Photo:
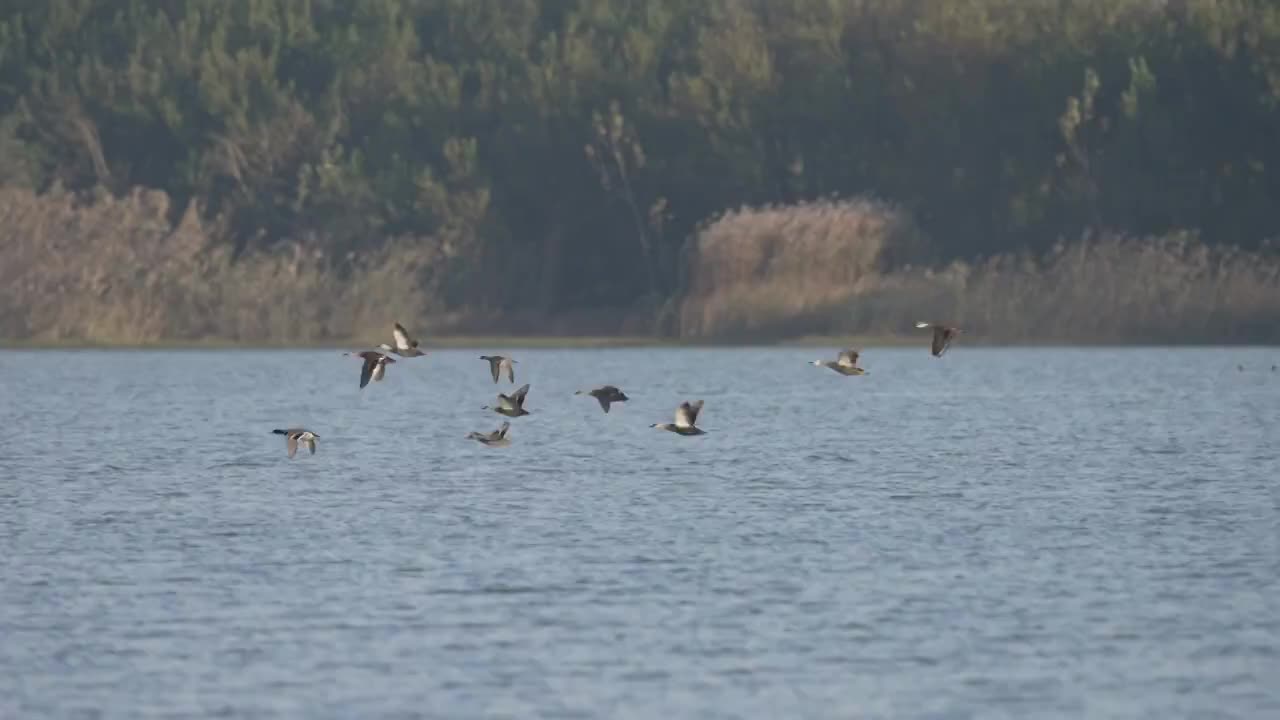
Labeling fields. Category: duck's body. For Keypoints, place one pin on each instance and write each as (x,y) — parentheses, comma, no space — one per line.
(605,395)
(293,436)
(511,405)
(405,346)
(942,337)
(686,417)
(374,367)
(497,364)
(497,438)
(846,363)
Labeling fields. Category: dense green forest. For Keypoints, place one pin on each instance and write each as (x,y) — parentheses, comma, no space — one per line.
(559,155)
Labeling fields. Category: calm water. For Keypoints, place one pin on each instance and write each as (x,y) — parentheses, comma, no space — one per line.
(1000,533)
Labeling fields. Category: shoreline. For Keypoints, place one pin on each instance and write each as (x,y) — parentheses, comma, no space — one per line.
(464,342)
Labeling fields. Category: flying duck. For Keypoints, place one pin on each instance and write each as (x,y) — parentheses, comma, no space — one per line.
(686,416)
(405,346)
(846,363)
(497,364)
(511,405)
(497,438)
(295,435)
(942,337)
(604,395)
(375,366)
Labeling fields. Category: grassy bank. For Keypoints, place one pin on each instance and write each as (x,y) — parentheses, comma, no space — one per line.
(854,268)
(115,272)
(477,342)
(512,343)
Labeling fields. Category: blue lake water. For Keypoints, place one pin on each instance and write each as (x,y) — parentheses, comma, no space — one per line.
(999,533)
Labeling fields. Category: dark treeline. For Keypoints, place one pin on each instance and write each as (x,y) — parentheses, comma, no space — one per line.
(559,153)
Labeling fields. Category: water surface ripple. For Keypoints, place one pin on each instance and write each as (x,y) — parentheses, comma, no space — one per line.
(1000,533)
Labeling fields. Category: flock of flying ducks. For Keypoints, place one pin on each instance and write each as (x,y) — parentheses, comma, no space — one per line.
(375,362)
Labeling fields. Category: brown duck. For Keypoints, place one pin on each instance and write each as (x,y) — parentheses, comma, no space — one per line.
(375,366)
(942,337)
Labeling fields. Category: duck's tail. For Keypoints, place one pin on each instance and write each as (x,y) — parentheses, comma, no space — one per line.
(278,431)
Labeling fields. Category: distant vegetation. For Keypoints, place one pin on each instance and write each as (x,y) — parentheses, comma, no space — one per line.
(258,170)
(829,269)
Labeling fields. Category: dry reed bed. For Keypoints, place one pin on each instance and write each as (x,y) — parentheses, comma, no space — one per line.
(844,267)
(115,270)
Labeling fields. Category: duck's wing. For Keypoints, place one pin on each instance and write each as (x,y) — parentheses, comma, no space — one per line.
(380,369)
(510,368)
(505,402)
(518,396)
(848,358)
(940,341)
(494,362)
(311,445)
(366,370)
(403,341)
(687,414)
(604,401)
(293,445)
(502,431)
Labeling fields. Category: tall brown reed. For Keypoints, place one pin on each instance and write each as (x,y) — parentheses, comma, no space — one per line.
(839,278)
(783,269)
(115,270)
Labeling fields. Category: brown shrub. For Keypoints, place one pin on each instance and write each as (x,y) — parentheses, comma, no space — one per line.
(115,270)
(783,269)
(1104,288)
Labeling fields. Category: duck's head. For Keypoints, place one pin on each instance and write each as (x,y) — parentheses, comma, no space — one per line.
(623,396)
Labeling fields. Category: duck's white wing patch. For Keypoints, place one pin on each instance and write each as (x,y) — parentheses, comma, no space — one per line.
(403,342)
